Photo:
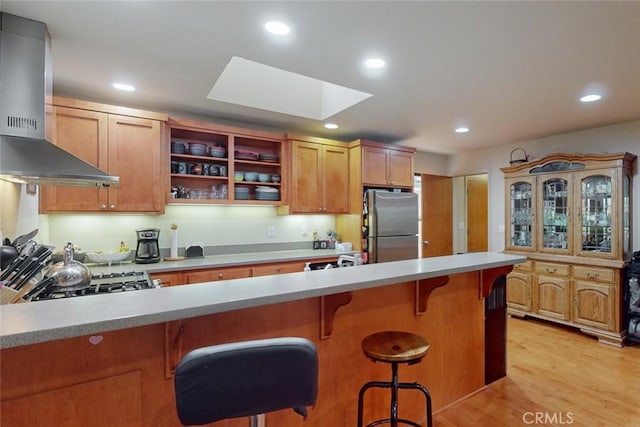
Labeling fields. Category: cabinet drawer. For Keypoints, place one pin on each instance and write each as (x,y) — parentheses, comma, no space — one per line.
(526,266)
(213,275)
(268,270)
(551,269)
(591,273)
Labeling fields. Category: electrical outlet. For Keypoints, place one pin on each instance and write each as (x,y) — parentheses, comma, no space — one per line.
(500,228)
(304,230)
(271,231)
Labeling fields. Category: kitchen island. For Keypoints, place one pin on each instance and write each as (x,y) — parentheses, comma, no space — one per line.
(110,357)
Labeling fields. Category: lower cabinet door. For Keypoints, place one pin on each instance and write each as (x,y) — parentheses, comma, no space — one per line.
(519,291)
(594,304)
(553,297)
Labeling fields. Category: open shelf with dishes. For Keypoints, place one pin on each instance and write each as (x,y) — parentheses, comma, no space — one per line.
(212,164)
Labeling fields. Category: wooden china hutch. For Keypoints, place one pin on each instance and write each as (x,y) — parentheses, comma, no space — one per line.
(571,215)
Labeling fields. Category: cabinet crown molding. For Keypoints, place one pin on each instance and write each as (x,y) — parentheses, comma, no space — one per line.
(595,160)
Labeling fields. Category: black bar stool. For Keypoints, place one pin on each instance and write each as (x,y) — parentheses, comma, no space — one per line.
(246,379)
(394,347)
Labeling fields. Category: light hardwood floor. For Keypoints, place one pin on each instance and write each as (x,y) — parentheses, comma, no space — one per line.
(560,376)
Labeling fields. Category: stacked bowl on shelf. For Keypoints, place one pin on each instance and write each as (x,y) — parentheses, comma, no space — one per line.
(217,151)
(241,192)
(267,193)
(197,149)
(178,147)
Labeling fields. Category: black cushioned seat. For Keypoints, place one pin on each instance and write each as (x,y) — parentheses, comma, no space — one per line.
(246,379)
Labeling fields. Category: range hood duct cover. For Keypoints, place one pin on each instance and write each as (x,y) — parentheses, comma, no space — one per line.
(25,85)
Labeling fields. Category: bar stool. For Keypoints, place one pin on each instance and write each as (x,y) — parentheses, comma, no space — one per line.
(394,347)
(246,379)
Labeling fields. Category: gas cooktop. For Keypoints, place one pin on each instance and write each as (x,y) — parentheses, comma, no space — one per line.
(104,283)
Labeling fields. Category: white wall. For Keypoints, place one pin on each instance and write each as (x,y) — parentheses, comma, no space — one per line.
(211,225)
(431,164)
(609,139)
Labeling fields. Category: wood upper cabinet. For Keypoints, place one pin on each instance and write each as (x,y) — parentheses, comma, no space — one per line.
(135,156)
(120,144)
(84,134)
(319,176)
(387,167)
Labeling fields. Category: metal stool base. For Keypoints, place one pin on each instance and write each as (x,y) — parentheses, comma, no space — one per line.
(394,385)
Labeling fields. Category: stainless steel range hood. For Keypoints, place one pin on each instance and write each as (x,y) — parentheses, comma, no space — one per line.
(25,85)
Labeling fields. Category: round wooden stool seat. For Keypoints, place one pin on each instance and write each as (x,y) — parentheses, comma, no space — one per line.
(395,346)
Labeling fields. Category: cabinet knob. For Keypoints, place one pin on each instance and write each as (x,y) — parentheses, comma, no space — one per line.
(220,275)
(112,206)
(425,242)
(103,206)
(552,270)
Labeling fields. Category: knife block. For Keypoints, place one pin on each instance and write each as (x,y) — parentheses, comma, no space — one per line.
(11,296)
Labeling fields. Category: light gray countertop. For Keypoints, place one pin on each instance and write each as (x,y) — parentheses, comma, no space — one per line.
(229,260)
(30,323)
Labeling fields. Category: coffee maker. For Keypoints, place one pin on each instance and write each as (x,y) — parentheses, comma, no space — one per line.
(147,250)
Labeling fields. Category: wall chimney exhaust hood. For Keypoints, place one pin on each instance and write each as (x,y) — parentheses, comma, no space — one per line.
(25,85)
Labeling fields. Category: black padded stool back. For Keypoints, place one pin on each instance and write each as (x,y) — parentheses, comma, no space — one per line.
(245,379)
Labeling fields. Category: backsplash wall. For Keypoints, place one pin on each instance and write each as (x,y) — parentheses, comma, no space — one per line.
(211,225)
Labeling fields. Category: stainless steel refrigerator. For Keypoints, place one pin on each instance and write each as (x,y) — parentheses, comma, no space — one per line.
(392,225)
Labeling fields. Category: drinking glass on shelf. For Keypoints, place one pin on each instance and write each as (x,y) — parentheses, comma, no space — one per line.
(214,192)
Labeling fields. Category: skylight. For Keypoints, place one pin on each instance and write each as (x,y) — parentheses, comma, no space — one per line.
(252,84)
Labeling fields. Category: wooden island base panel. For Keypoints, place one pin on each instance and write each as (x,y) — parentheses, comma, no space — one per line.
(123,377)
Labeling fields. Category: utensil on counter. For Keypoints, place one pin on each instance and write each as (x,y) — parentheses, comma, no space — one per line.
(69,275)
(38,288)
(8,254)
(11,250)
(38,263)
(27,268)
(21,240)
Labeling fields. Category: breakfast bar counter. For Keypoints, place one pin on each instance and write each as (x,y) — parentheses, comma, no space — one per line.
(111,357)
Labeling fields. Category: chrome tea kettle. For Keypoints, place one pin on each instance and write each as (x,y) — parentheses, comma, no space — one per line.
(69,274)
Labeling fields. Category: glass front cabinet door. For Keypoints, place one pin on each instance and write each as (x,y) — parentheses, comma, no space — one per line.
(597,230)
(521,213)
(555,192)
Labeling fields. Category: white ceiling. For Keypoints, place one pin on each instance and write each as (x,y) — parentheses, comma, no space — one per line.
(510,71)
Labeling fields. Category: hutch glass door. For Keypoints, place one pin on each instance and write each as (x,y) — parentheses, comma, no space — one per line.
(521,212)
(555,193)
(596,215)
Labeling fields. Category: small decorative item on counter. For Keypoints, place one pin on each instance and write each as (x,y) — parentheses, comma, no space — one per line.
(173,251)
(195,250)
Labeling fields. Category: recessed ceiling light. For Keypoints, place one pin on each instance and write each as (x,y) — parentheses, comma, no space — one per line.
(124,86)
(278,28)
(462,129)
(331,126)
(375,63)
(590,98)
